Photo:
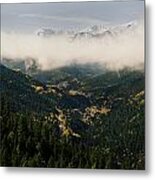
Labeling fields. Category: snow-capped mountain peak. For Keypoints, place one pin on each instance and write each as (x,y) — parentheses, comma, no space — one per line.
(94,31)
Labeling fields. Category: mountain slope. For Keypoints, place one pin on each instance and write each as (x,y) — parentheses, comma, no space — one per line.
(82,121)
(19,89)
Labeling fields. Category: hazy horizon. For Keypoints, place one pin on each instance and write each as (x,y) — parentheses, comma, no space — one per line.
(122,48)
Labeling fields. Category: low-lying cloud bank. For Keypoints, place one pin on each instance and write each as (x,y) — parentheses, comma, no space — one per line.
(126,49)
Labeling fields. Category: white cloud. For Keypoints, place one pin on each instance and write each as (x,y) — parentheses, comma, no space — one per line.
(126,49)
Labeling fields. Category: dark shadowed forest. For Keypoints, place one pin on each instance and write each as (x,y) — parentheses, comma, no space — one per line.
(76,116)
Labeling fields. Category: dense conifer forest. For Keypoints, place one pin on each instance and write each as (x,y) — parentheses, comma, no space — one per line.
(72,117)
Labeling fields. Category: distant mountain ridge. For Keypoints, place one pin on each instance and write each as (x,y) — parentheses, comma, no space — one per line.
(95,31)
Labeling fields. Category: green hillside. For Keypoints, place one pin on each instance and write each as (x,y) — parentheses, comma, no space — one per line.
(73,117)
(20,91)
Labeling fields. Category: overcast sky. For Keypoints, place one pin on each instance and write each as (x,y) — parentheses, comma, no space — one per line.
(29,17)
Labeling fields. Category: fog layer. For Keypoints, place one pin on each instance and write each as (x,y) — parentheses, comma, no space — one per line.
(124,49)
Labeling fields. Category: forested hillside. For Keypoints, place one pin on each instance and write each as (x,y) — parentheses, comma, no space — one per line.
(73,117)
